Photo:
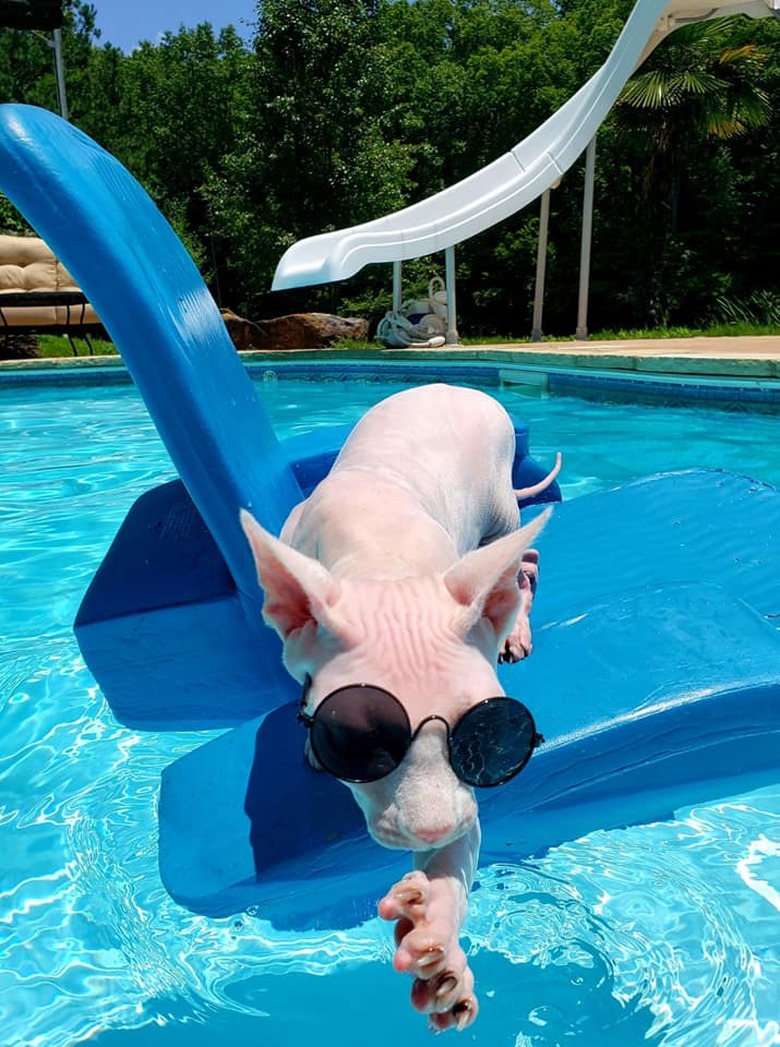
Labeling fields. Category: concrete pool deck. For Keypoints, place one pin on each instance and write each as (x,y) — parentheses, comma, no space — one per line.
(743,357)
(728,357)
(752,357)
(732,357)
(749,357)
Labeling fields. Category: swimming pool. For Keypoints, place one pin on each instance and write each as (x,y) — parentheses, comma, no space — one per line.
(664,933)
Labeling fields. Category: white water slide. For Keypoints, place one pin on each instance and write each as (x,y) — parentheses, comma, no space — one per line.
(514,180)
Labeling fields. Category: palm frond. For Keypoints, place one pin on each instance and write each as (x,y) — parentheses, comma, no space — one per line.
(650,90)
(698,82)
(749,57)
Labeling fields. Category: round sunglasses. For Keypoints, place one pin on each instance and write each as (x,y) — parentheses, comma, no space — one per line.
(361,733)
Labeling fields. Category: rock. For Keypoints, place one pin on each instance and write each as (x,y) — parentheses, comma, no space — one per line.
(309,331)
(243,333)
(295,331)
(18,346)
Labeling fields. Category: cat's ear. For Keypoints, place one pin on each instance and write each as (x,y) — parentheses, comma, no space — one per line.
(298,589)
(484,581)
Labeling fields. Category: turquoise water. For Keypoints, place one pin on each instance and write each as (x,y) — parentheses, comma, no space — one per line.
(665,934)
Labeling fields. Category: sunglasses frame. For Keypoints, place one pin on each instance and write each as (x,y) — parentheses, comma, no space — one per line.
(308,721)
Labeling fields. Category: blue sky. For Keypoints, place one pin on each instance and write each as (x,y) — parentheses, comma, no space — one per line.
(125,24)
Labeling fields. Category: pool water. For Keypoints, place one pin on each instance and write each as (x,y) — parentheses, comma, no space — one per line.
(666,933)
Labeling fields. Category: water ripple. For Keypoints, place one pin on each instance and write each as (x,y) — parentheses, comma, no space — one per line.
(641,912)
(662,934)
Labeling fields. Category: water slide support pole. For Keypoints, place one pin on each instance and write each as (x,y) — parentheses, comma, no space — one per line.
(396,287)
(541,267)
(60,68)
(587,233)
(453,338)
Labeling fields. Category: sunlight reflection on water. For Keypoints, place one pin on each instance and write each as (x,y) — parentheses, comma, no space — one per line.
(664,933)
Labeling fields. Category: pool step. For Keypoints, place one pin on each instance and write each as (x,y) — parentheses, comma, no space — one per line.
(688,526)
(164,630)
(163,627)
(643,702)
(648,692)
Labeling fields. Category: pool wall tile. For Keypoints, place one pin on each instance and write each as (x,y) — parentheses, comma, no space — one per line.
(588,383)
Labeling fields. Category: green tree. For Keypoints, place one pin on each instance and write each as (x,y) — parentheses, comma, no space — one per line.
(755,172)
(170,112)
(701,87)
(27,75)
(345,110)
(312,153)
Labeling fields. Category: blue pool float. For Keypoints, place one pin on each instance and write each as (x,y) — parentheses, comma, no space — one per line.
(177,592)
(656,673)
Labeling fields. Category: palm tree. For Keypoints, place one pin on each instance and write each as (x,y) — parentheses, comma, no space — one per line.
(701,85)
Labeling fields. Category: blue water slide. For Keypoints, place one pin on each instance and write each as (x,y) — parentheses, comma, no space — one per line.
(655,680)
(152,300)
(656,672)
(176,593)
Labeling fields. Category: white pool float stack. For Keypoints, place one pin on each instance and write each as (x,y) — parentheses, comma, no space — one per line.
(420,323)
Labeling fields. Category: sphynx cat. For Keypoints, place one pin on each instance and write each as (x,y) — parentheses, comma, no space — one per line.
(405,569)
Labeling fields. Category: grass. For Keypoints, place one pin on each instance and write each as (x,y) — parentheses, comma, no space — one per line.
(624,335)
(716,331)
(51,346)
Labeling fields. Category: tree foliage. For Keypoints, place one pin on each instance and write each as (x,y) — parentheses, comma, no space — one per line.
(345,110)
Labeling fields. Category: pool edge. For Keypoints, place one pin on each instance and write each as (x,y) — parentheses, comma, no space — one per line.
(605,371)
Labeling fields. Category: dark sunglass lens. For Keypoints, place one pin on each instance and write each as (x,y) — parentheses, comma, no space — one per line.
(492,742)
(360,734)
